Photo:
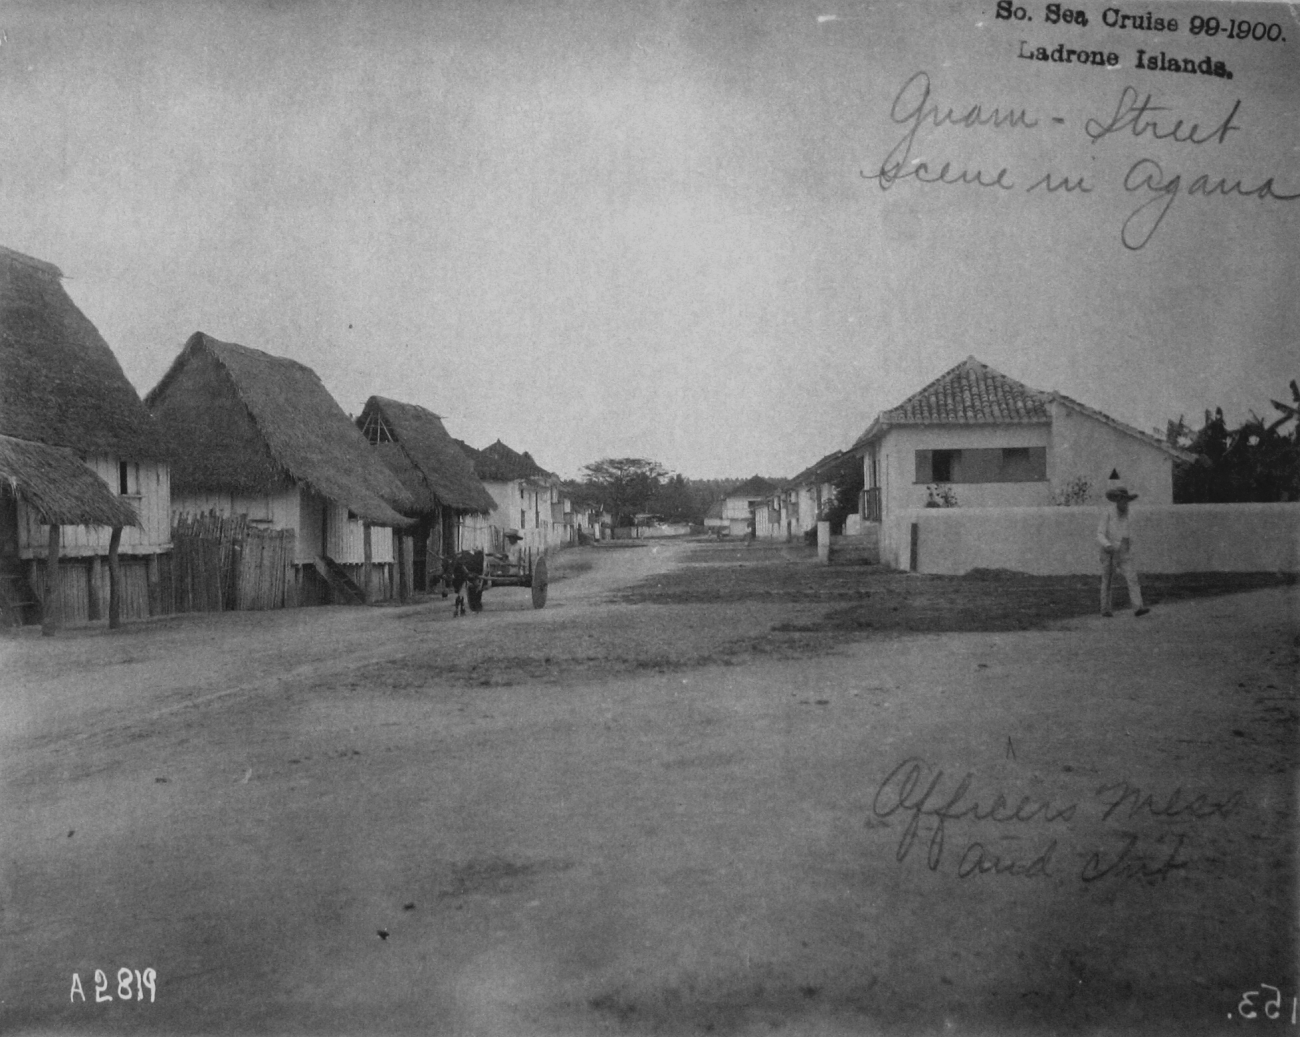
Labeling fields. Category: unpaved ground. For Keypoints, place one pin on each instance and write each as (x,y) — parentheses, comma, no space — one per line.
(608,817)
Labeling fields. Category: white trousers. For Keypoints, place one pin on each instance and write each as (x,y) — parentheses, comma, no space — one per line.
(1118,561)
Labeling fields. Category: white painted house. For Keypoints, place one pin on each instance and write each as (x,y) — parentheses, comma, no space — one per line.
(528,500)
(811,493)
(982,439)
(742,506)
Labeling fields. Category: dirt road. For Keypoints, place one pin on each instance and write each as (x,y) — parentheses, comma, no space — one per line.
(610,817)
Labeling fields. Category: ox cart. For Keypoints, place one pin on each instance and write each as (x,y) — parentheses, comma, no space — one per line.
(470,573)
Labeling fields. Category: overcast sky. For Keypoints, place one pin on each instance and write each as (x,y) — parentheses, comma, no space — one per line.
(595,229)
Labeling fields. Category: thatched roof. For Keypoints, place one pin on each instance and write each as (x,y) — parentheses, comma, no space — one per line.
(59,382)
(498,463)
(415,446)
(55,482)
(244,421)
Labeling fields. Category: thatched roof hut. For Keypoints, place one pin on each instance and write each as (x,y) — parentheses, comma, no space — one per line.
(415,446)
(55,482)
(244,421)
(60,383)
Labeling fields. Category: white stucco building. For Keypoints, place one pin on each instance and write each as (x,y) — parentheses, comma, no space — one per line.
(748,506)
(982,439)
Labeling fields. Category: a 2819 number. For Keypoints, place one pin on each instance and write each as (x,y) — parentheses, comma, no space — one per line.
(131,984)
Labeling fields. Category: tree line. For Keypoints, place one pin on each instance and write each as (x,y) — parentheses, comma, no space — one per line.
(1256,461)
(629,486)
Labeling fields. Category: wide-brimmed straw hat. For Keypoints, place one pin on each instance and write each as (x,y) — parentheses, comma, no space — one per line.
(1119,493)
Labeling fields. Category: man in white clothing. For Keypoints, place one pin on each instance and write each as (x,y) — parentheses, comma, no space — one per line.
(1113,536)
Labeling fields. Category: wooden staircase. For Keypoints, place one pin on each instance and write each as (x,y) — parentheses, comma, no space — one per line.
(343,589)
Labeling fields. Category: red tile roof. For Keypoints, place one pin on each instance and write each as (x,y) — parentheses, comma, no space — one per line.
(973,393)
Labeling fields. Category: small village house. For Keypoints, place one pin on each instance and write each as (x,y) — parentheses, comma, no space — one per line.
(741,505)
(995,442)
(810,494)
(85,479)
(975,438)
(715,520)
(582,521)
(259,435)
(528,500)
(444,491)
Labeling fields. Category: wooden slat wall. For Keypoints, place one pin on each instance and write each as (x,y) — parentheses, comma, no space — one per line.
(265,569)
(152,503)
(345,543)
(281,510)
(74,590)
(223,561)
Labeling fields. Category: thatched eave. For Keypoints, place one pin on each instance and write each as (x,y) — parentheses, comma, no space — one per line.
(55,482)
(417,449)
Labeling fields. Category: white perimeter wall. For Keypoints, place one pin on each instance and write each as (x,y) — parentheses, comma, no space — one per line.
(1168,538)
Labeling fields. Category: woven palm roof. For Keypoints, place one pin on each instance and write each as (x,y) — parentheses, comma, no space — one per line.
(498,463)
(55,482)
(435,472)
(59,382)
(244,421)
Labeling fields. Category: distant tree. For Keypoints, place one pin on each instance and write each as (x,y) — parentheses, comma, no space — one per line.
(674,501)
(623,486)
(847,487)
(1254,462)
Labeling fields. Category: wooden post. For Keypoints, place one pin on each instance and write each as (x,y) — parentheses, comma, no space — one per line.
(403,556)
(290,571)
(154,581)
(50,606)
(366,564)
(96,588)
(114,581)
(408,565)
(914,552)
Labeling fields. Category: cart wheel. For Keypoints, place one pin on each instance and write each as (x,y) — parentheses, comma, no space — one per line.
(539,583)
(475,590)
